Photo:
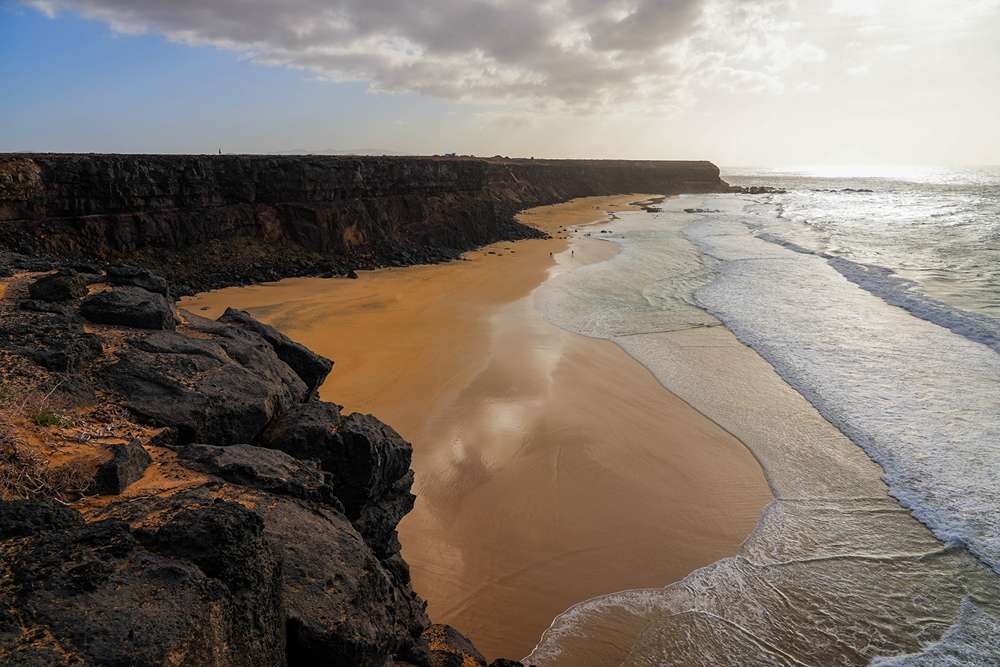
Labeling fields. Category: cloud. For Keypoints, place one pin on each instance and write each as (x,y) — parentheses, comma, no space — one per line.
(569,54)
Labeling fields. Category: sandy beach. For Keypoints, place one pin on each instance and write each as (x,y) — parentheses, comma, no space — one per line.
(550,467)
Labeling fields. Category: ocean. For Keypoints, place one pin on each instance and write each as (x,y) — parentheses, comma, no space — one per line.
(847,330)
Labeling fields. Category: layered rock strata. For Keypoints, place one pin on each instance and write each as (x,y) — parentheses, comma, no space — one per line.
(210,221)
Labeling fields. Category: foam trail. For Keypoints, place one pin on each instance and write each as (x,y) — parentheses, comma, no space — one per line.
(836,572)
(922,401)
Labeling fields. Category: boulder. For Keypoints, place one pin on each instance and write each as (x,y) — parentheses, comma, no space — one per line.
(23,518)
(50,338)
(86,268)
(135,276)
(226,541)
(307,432)
(61,286)
(65,350)
(264,469)
(343,606)
(223,390)
(377,521)
(309,366)
(39,306)
(444,646)
(95,595)
(129,307)
(373,459)
(126,466)
(365,457)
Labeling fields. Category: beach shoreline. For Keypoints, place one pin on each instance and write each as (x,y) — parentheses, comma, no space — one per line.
(550,467)
(835,544)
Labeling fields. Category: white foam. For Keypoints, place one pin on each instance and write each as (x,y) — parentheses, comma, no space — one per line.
(922,401)
(835,572)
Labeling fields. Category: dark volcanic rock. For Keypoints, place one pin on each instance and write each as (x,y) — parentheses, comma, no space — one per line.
(307,432)
(343,606)
(126,466)
(91,595)
(13,262)
(445,646)
(375,457)
(223,390)
(264,469)
(226,541)
(130,307)
(23,518)
(135,276)
(209,221)
(51,307)
(757,190)
(288,554)
(309,366)
(62,286)
(365,457)
(377,521)
(68,351)
(50,338)
(89,269)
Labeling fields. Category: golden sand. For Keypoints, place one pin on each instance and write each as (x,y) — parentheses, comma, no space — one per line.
(550,467)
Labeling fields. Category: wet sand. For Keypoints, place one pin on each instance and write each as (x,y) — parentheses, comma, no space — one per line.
(550,467)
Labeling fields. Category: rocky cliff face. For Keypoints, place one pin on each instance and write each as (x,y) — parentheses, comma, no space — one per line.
(212,511)
(209,221)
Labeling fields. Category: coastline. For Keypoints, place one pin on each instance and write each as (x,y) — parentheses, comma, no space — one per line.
(834,551)
(527,501)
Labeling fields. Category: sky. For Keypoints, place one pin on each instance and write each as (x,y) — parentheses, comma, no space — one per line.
(740,82)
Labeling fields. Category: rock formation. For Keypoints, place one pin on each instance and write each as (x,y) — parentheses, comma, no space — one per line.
(275,542)
(221,514)
(209,221)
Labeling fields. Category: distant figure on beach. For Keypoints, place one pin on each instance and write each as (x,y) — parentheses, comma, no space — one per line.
(220,151)
(572,253)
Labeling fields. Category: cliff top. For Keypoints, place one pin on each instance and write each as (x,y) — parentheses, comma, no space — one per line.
(496,159)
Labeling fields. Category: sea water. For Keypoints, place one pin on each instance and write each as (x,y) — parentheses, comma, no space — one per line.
(847,332)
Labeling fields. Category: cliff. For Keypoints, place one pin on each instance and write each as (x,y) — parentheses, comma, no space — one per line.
(172,492)
(171,489)
(210,221)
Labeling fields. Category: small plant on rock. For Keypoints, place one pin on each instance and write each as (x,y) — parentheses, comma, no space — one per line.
(47,418)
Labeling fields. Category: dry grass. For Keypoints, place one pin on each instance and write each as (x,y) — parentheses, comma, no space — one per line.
(25,473)
(49,445)
(106,422)
(21,398)
(25,470)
